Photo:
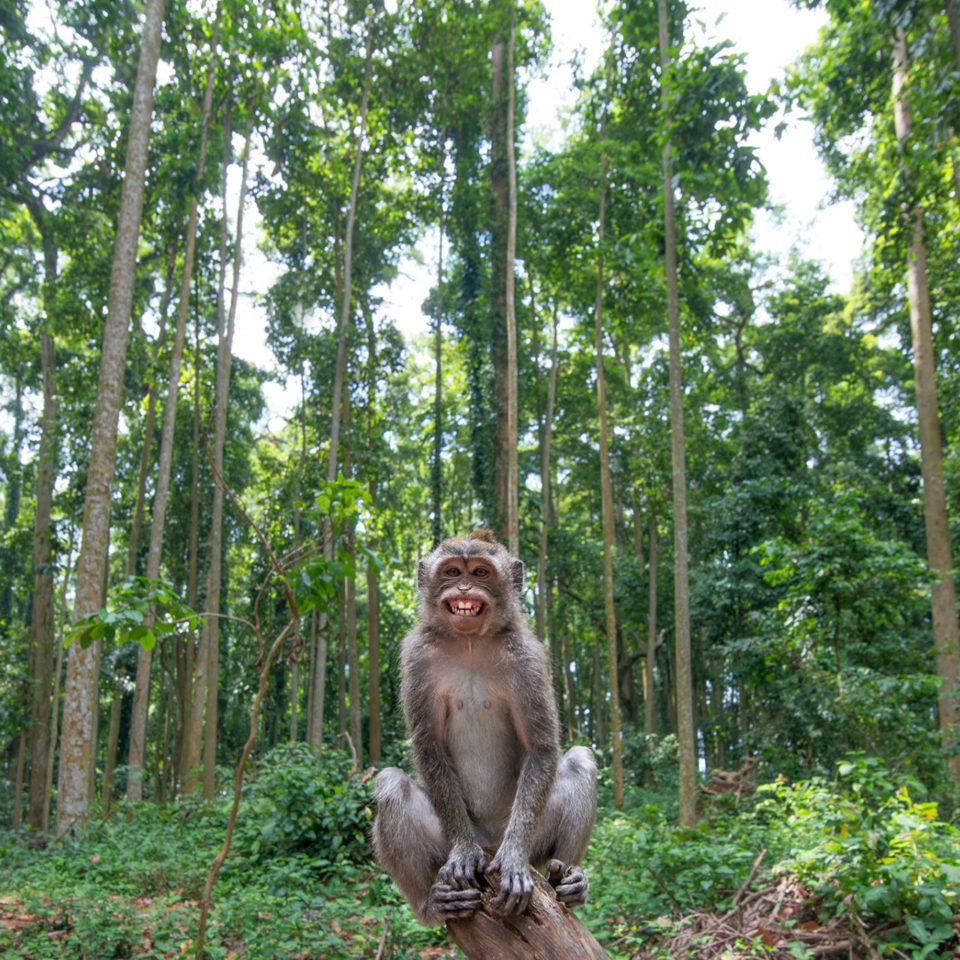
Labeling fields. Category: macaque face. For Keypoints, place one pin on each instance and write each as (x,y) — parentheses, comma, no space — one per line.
(467,590)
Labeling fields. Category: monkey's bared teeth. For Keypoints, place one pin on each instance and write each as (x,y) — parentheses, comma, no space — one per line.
(465,608)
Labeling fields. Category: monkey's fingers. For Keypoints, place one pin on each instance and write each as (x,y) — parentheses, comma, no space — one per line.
(461,869)
(515,890)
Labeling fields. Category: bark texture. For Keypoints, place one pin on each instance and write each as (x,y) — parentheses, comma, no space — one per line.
(606,491)
(684,682)
(210,641)
(939,553)
(42,624)
(499,230)
(546,930)
(512,467)
(80,696)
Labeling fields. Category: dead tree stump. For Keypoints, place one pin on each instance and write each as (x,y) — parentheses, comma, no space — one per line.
(546,930)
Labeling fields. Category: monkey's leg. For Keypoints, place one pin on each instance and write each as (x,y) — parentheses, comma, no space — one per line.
(565,825)
(410,844)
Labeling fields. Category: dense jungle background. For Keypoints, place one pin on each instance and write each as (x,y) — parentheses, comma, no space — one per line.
(731,484)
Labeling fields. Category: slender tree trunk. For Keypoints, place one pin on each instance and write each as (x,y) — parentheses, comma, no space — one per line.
(436,467)
(341,368)
(42,621)
(186,652)
(210,628)
(939,554)
(141,697)
(318,644)
(353,660)
(373,649)
(606,493)
(340,372)
(546,438)
(150,420)
(342,668)
(76,747)
(513,476)
(55,699)
(499,232)
(649,687)
(684,684)
(211,624)
(18,779)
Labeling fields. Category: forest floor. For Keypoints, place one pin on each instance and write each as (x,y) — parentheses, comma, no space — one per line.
(777,922)
(807,870)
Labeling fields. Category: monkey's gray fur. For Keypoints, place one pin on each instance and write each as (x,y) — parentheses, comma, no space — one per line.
(494,793)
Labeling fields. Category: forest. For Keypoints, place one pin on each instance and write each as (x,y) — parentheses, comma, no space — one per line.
(734,489)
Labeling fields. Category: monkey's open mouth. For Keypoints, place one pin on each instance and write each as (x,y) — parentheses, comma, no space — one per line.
(465,608)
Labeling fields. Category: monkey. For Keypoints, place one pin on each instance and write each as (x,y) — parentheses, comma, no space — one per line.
(494,795)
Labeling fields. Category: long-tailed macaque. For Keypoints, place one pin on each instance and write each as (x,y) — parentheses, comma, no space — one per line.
(494,793)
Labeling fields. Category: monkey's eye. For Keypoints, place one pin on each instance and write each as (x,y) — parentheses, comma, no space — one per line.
(452,572)
(481,572)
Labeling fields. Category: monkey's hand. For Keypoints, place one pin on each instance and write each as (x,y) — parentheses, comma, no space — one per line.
(569,883)
(516,884)
(465,863)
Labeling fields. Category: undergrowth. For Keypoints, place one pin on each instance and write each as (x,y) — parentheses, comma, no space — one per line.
(300,881)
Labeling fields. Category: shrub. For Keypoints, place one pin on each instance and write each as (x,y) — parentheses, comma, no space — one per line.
(876,851)
(303,801)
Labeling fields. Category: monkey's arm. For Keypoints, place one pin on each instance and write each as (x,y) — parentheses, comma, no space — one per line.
(536,727)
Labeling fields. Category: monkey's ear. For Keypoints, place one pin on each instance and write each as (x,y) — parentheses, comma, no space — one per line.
(421,574)
(516,575)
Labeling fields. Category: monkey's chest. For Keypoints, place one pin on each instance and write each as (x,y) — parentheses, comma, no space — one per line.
(485,750)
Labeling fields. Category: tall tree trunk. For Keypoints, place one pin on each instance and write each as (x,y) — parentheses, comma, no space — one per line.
(55,699)
(513,476)
(353,659)
(342,667)
(340,372)
(649,687)
(684,683)
(18,779)
(373,586)
(499,243)
(572,725)
(546,439)
(42,628)
(939,554)
(211,624)
(186,652)
(436,467)
(373,647)
(141,696)
(606,493)
(80,696)
(14,490)
(318,678)
(150,420)
(341,368)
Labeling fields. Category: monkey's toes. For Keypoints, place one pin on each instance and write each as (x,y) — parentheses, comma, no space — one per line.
(448,903)
(569,883)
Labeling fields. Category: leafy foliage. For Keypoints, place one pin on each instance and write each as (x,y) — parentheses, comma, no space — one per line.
(302,801)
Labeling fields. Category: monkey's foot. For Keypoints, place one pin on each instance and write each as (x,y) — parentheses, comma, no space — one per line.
(447,903)
(569,883)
